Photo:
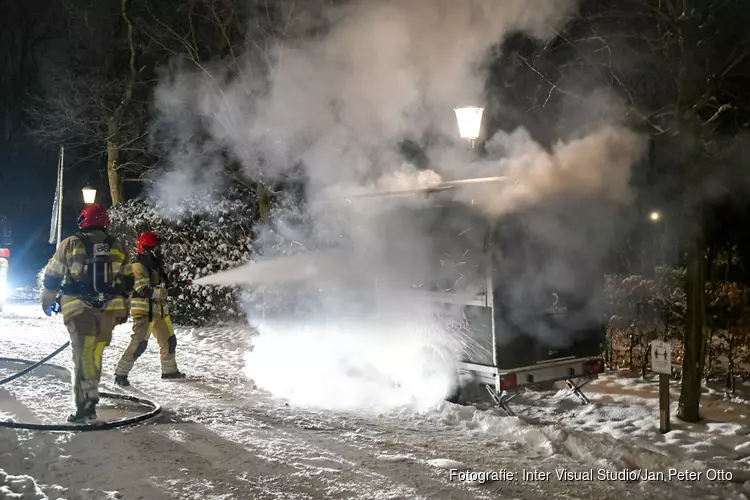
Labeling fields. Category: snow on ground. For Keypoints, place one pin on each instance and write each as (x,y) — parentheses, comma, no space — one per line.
(220,437)
(627,409)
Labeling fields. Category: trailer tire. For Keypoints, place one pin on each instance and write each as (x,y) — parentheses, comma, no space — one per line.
(432,356)
(454,394)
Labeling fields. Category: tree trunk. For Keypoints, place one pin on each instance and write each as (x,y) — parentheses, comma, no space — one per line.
(708,359)
(690,395)
(113,158)
(703,351)
(264,208)
(113,129)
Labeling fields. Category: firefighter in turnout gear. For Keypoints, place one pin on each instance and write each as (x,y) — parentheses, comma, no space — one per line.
(150,313)
(92,271)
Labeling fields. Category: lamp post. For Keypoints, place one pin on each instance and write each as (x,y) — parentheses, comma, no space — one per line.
(657,241)
(469,120)
(89,195)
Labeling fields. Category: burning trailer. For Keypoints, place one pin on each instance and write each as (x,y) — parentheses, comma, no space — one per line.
(521,293)
(518,296)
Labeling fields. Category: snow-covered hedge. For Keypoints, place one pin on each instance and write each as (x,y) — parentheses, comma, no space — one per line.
(201,236)
(289,231)
(642,309)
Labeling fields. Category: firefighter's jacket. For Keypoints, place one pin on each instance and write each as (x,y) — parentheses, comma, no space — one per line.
(67,269)
(150,295)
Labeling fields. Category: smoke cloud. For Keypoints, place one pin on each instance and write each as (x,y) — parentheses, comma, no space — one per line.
(339,104)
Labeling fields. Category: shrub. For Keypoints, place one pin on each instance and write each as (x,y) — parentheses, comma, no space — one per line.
(201,236)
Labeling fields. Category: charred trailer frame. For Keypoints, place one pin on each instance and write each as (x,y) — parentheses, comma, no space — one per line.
(536,319)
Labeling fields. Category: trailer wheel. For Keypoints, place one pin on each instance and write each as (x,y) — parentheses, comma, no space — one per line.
(435,361)
(455,392)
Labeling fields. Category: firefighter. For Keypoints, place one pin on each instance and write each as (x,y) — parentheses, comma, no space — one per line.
(150,312)
(94,275)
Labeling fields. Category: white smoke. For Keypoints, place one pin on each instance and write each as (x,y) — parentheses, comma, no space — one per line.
(353,363)
(339,104)
(387,70)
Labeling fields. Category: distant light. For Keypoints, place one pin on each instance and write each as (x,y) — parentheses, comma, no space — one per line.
(469,122)
(655,216)
(89,195)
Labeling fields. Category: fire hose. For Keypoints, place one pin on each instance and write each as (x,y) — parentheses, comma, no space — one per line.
(155,409)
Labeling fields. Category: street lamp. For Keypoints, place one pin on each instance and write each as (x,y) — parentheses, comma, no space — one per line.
(469,122)
(655,216)
(89,195)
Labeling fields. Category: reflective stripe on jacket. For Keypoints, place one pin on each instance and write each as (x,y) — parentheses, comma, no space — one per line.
(150,284)
(68,265)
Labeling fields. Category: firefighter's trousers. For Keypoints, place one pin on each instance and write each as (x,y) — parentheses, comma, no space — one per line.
(142,330)
(90,332)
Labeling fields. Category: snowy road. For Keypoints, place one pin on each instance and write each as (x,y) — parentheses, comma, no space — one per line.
(221,438)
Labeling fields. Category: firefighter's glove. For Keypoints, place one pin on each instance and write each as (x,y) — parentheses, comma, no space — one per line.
(49,301)
(159,293)
(124,319)
(54,308)
(173,292)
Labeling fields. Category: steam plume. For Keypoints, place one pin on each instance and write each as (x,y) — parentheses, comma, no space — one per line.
(339,104)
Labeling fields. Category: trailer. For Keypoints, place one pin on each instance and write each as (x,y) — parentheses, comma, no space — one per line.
(525,305)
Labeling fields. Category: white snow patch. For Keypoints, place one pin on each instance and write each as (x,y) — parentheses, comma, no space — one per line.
(20,487)
(553,428)
(394,458)
(726,428)
(447,463)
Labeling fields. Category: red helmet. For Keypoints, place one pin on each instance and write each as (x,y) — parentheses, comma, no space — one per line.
(4,253)
(148,241)
(93,216)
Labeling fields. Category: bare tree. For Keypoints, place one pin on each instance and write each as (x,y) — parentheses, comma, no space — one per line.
(239,35)
(26,29)
(679,66)
(90,89)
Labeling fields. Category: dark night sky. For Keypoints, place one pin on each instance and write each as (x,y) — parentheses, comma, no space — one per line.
(28,170)
(27,186)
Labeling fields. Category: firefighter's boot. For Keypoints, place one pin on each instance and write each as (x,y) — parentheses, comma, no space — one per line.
(85,413)
(122,380)
(173,375)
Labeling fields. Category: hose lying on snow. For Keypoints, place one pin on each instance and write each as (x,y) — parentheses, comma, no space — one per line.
(33,365)
(98,426)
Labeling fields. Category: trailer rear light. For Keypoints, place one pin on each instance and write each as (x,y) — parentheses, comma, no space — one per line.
(4,253)
(508,382)
(594,366)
